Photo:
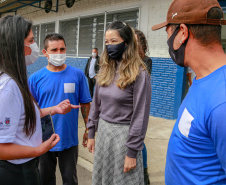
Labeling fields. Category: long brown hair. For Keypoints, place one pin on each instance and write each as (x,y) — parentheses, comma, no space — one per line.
(142,43)
(130,65)
(13,31)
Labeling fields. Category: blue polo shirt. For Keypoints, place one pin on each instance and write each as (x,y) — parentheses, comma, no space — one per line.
(197,146)
(50,88)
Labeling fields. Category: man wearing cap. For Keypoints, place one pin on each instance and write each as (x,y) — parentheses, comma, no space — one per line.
(197,146)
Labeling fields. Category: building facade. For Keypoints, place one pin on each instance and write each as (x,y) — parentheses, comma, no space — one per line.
(83,26)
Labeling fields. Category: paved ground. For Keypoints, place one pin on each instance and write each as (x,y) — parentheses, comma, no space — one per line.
(156,141)
(84,176)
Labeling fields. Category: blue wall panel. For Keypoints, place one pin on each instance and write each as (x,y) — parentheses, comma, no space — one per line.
(42,62)
(167,80)
(167,88)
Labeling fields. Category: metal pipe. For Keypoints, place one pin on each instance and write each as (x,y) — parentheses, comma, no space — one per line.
(105,22)
(78,34)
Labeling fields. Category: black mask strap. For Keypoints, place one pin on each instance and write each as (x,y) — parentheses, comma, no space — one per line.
(177,55)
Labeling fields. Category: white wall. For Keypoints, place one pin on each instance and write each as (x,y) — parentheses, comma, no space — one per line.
(80,8)
(157,40)
(151,12)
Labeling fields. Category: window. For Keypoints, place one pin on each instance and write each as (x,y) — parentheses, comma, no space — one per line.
(46,29)
(69,30)
(91,35)
(35,30)
(130,17)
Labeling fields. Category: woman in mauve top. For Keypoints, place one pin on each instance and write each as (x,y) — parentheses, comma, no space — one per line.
(120,110)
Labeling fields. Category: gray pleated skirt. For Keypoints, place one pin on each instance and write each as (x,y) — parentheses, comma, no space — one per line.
(109,157)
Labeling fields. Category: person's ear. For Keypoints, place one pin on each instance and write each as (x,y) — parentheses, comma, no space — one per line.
(45,53)
(184,33)
(27,50)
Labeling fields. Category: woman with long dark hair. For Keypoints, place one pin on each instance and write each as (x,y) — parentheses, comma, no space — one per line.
(20,127)
(120,110)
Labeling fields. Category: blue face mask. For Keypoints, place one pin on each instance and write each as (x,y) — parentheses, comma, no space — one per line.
(116,51)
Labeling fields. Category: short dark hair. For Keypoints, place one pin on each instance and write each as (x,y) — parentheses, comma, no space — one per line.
(52,37)
(206,34)
(96,48)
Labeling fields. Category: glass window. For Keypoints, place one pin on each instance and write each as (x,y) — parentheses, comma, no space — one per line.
(46,29)
(35,30)
(69,30)
(130,17)
(91,31)
(91,35)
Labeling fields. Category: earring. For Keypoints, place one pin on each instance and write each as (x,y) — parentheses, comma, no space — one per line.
(180,42)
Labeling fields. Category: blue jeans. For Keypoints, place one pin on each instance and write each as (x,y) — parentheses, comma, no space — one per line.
(144,152)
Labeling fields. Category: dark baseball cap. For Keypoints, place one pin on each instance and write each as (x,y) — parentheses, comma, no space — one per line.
(190,12)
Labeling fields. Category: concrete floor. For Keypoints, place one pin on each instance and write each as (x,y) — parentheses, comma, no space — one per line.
(156,141)
(84,176)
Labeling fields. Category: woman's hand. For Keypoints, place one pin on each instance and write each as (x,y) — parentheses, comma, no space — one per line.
(49,144)
(130,163)
(91,145)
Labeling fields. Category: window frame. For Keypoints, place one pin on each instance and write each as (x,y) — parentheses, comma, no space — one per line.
(103,13)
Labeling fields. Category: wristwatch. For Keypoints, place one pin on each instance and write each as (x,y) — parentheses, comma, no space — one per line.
(86,131)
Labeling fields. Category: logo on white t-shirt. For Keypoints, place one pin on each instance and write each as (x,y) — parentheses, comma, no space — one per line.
(7,121)
(5,125)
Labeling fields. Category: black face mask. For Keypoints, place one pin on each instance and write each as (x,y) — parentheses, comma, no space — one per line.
(116,51)
(177,55)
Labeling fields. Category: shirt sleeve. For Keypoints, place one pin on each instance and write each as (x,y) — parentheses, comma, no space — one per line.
(141,111)
(217,130)
(10,112)
(94,112)
(32,88)
(84,95)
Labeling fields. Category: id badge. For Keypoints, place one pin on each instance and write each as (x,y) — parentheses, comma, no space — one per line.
(69,87)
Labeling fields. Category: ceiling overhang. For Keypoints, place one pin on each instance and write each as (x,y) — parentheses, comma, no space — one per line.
(7,6)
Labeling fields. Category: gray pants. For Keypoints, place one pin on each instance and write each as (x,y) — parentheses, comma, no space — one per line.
(67,163)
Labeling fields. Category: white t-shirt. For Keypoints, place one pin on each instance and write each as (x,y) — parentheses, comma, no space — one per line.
(12,117)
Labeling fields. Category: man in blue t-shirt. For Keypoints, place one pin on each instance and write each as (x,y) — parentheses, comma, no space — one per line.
(197,146)
(49,86)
